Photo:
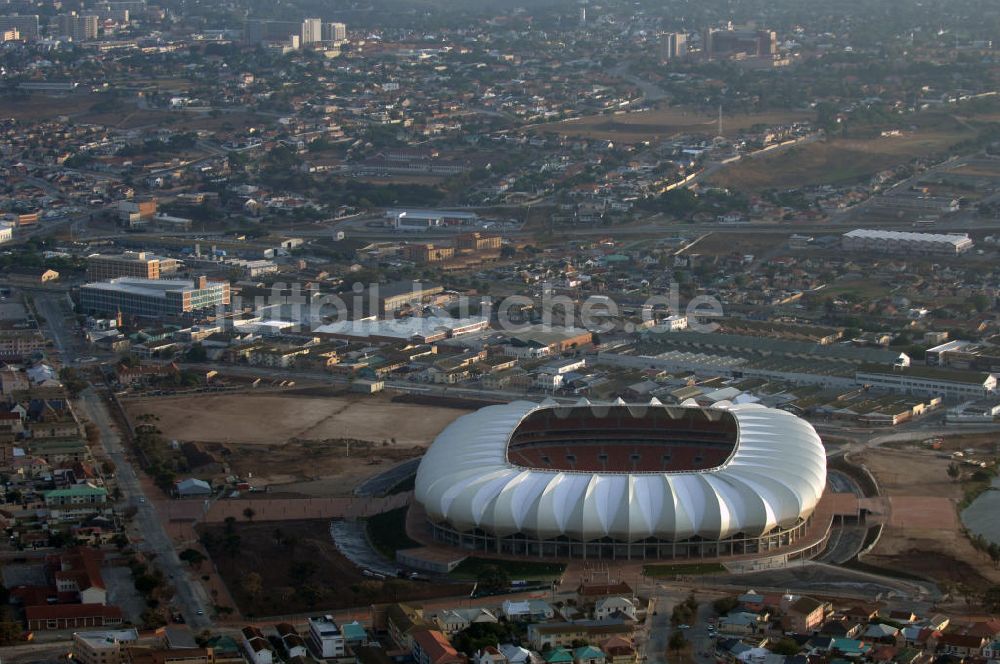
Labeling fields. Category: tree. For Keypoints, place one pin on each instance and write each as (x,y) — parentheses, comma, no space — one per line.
(724,605)
(786,647)
(954,471)
(994,552)
(493,579)
(991,599)
(252,584)
(192,557)
(249,513)
(677,642)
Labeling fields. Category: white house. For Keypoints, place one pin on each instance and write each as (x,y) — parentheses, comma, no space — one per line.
(607,607)
(530,609)
(256,647)
(489,655)
(325,638)
(515,654)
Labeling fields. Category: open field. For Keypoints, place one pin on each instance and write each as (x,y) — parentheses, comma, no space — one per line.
(92,108)
(309,445)
(923,536)
(300,569)
(667,122)
(840,161)
(38,107)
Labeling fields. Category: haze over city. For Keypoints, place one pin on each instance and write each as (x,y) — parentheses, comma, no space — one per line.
(555,332)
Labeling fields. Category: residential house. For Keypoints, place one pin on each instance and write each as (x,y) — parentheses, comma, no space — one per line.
(961,645)
(79,573)
(542,636)
(432,647)
(256,646)
(557,655)
(295,645)
(402,621)
(526,610)
(489,655)
(588,655)
(619,650)
(452,621)
(515,654)
(802,615)
(614,607)
(739,623)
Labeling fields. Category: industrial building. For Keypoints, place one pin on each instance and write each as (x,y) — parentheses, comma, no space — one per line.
(906,243)
(153,297)
(422,220)
(420,330)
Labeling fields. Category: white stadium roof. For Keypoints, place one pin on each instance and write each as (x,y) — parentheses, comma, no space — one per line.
(775,476)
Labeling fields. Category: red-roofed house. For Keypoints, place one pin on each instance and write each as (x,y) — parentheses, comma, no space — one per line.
(961,645)
(79,571)
(71,616)
(432,647)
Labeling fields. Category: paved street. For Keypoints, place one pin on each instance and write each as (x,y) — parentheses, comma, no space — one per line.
(154,539)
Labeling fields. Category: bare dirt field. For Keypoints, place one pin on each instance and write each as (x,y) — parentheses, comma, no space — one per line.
(725,243)
(299,443)
(667,122)
(300,569)
(38,107)
(842,160)
(924,538)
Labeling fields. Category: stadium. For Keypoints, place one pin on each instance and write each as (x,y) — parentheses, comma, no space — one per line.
(643,481)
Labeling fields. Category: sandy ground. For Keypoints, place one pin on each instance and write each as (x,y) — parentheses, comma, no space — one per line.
(923,535)
(302,445)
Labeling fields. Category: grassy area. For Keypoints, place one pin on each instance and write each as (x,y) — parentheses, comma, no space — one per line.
(668,570)
(470,568)
(387,532)
(839,161)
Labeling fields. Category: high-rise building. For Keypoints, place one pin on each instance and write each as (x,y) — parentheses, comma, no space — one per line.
(76,27)
(312,31)
(739,42)
(26,25)
(256,30)
(674,45)
(335,32)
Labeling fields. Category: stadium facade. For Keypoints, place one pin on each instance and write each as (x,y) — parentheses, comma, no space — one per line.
(620,481)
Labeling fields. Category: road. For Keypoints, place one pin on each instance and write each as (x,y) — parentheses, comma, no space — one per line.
(154,538)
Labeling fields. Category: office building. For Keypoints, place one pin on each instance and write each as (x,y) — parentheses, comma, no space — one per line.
(26,25)
(76,27)
(141,264)
(312,31)
(674,45)
(153,297)
(10,35)
(137,213)
(102,647)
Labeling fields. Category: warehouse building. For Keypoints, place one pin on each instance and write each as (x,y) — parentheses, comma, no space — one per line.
(906,243)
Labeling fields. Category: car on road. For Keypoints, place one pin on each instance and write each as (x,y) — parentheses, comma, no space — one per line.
(142,499)
(200,612)
(684,627)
